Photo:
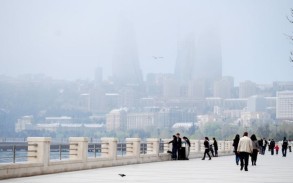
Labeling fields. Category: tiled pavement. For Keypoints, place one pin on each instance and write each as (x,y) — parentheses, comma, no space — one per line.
(270,169)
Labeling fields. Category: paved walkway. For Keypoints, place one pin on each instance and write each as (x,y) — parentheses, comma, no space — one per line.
(269,169)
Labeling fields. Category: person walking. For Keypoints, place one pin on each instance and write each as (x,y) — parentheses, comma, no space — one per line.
(284,147)
(272,146)
(255,147)
(289,145)
(244,149)
(212,150)
(260,143)
(215,146)
(207,148)
(265,143)
(235,145)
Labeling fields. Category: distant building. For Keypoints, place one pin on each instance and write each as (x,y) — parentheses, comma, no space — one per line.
(61,120)
(116,120)
(141,121)
(171,88)
(223,88)
(98,76)
(249,118)
(184,126)
(256,104)
(284,108)
(185,59)
(24,123)
(232,104)
(197,89)
(247,89)
(125,64)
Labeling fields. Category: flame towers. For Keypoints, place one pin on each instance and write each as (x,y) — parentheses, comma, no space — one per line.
(199,61)
(125,65)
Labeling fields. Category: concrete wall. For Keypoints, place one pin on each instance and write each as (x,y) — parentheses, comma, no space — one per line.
(39,155)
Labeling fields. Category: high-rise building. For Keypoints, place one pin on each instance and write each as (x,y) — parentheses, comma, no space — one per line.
(284,108)
(223,88)
(208,58)
(142,120)
(247,89)
(256,104)
(185,59)
(98,76)
(125,65)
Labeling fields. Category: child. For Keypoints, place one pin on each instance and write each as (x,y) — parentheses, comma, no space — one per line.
(277,148)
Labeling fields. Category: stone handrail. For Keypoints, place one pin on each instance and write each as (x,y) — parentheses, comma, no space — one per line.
(39,162)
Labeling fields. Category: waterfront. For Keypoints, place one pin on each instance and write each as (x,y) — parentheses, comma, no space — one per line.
(219,170)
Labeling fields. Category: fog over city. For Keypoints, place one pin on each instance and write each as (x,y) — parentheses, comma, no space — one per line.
(146,68)
(69,39)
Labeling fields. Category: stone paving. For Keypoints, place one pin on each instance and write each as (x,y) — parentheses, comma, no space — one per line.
(269,169)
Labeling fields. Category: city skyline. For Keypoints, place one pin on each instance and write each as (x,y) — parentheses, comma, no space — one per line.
(70,40)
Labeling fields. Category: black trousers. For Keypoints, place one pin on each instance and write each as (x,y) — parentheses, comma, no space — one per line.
(254,156)
(244,157)
(206,152)
(284,151)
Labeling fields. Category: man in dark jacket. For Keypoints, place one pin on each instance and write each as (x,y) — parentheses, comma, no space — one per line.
(178,144)
(272,146)
(284,147)
(207,148)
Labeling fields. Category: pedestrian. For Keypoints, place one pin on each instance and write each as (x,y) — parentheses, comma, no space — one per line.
(174,147)
(255,150)
(284,147)
(244,149)
(212,150)
(260,143)
(179,145)
(265,143)
(269,142)
(272,146)
(215,146)
(289,145)
(235,145)
(207,148)
(187,148)
(277,148)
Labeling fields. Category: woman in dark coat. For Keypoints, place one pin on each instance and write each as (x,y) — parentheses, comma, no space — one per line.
(255,147)
(235,144)
(215,146)
(174,147)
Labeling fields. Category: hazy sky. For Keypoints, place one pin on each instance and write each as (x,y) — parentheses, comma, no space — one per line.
(68,39)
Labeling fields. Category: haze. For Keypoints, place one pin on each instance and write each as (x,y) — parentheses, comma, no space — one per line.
(69,39)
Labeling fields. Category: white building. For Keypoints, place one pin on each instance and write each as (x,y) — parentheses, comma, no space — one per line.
(116,120)
(284,107)
(24,123)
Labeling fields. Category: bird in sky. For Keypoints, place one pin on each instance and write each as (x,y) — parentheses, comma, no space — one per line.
(122,175)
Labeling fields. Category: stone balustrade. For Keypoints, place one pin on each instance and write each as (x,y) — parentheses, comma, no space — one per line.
(39,162)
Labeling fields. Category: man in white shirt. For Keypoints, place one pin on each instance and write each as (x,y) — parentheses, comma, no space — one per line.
(244,149)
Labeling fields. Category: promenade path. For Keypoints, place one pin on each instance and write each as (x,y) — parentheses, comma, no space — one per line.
(269,169)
